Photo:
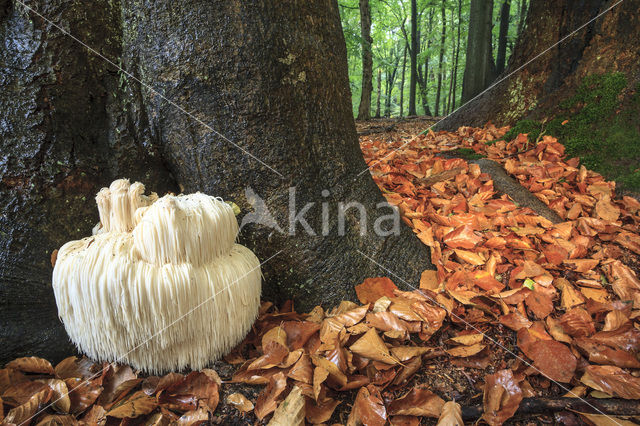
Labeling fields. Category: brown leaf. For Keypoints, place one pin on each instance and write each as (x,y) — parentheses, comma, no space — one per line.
(624,281)
(119,379)
(451,414)
(268,399)
(466,339)
(240,402)
(275,334)
(299,332)
(614,320)
(429,280)
(73,367)
(404,353)
(368,408)
(57,420)
(553,359)
(417,402)
(515,321)
(96,415)
(465,351)
(501,398)
(371,346)
(302,370)
(186,394)
(60,395)
(602,354)
(199,416)
(373,289)
(31,364)
(386,321)
(154,384)
(133,406)
(332,369)
(352,317)
(606,210)
(20,393)
(274,354)
(82,393)
(24,412)
(320,412)
(539,303)
(462,237)
(625,338)
(612,380)
(577,323)
(9,377)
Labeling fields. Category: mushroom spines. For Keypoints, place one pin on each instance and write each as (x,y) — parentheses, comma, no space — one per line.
(164,288)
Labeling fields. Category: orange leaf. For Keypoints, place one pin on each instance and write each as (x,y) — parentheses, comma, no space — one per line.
(373,289)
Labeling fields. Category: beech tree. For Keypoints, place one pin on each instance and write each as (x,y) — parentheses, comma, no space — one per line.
(364,110)
(225,97)
(479,70)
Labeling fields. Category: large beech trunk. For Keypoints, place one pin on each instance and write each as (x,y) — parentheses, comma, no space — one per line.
(271,76)
(611,43)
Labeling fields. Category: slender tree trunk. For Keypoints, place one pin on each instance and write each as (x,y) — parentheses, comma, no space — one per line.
(478,72)
(501,58)
(72,123)
(390,83)
(423,78)
(455,66)
(453,53)
(413,52)
(522,15)
(441,57)
(404,67)
(379,93)
(364,110)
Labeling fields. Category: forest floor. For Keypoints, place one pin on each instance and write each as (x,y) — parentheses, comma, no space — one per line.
(530,317)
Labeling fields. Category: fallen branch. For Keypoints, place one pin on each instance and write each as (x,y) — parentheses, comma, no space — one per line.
(528,406)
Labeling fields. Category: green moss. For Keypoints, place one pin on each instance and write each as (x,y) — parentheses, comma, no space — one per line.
(600,126)
(465,154)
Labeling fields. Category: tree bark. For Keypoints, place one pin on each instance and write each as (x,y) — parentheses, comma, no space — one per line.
(611,43)
(478,72)
(501,57)
(413,53)
(455,66)
(379,93)
(271,77)
(423,80)
(404,67)
(364,109)
(522,15)
(443,17)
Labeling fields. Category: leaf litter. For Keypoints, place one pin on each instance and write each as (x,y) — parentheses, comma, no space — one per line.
(564,298)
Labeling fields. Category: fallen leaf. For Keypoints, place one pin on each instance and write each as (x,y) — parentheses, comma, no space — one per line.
(31,364)
(268,399)
(133,406)
(368,408)
(320,412)
(371,346)
(24,412)
(462,237)
(539,303)
(417,402)
(451,414)
(240,402)
(553,359)
(465,351)
(501,398)
(373,289)
(429,280)
(612,380)
(577,323)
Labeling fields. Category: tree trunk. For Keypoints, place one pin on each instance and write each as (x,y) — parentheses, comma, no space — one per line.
(455,66)
(443,17)
(364,110)
(478,73)
(271,77)
(501,57)
(608,44)
(453,54)
(404,67)
(379,93)
(423,80)
(522,15)
(413,53)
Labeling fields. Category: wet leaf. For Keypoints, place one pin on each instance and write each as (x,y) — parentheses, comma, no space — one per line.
(320,412)
(577,323)
(612,380)
(31,364)
(240,402)
(501,398)
(74,367)
(60,395)
(57,420)
(118,380)
(417,402)
(368,408)
(96,415)
(268,399)
(133,406)
(27,409)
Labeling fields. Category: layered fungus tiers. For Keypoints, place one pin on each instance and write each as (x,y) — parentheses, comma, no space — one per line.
(161,284)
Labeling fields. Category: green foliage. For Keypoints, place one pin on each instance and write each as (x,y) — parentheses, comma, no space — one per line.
(601,127)
(391,25)
(466,154)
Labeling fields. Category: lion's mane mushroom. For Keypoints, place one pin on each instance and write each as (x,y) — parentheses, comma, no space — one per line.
(161,284)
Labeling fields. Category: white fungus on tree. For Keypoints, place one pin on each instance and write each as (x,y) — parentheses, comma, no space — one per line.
(161,284)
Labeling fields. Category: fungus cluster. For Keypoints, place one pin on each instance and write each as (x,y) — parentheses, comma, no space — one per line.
(161,284)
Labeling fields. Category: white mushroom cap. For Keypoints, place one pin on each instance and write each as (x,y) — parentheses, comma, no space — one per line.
(162,286)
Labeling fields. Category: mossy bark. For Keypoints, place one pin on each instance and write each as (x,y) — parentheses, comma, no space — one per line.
(271,76)
(544,75)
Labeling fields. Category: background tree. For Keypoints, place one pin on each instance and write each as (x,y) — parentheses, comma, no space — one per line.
(364,111)
(502,38)
(413,53)
(479,70)
(269,76)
